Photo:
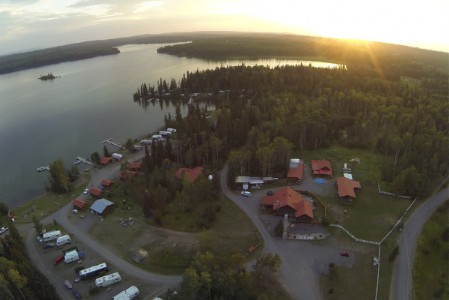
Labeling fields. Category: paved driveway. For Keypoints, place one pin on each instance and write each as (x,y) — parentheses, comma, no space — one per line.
(302,261)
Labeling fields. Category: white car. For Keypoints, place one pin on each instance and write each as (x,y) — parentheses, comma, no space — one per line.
(246,193)
(3,230)
(86,191)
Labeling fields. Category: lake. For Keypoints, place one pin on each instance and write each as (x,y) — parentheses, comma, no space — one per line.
(41,121)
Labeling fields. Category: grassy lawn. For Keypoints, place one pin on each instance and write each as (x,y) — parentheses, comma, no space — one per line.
(371,215)
(430,269)
(46,204)
(170,252)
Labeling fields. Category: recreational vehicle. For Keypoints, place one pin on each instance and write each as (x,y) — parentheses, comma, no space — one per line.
(108,279)
(130,293)
(51,235)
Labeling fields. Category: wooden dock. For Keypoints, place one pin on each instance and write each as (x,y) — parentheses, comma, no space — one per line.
(112,143)
(83,160)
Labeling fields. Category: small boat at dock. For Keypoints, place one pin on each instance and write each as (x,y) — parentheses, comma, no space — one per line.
(43,168)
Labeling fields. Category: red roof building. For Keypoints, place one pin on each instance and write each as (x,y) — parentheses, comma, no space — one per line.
(135,166)
(106,182)
(96,192)
(289,201)
(191,175)
(128,175)
(295,169)
(79,203)
(346,188)
(104,161)
(321,167)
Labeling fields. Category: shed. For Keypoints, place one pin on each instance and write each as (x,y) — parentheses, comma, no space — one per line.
(105,160)
(295,169)
(100,206)
(106,182)
(96,192)
(346,188)
(321,167)
(79,203)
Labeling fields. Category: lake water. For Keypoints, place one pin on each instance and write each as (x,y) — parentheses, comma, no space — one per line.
(70,116)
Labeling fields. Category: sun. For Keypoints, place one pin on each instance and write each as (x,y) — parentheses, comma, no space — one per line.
(398,21)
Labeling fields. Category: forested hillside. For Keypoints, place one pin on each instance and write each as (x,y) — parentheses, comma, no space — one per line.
(262,115)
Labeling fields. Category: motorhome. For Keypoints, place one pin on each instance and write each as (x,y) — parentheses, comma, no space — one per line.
(108,279)
(130,293)
(62,240)
(51,235)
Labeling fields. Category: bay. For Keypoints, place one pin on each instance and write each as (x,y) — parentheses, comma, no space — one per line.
(41,121)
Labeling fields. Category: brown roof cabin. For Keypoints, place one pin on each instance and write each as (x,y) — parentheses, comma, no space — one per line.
(346,188)
(290,202)
(135,166)
(190,175)
(295,169)
(79,203)
(96,192)
(321,167)
(106,183)
(104,161)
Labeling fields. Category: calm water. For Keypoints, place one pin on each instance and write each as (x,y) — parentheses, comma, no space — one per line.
(68,117)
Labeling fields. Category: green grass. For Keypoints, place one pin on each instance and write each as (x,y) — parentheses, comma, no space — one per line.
(170,252)
(46,204)
(371,215)
(430,269)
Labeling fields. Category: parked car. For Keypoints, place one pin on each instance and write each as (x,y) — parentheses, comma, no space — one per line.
(76,293)
(59,260)
(48,245)
(86,191)
(67,284)
(246,193)
(3,230)
(344,253)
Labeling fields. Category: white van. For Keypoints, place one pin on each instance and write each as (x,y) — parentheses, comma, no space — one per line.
(62,240)
(51,235)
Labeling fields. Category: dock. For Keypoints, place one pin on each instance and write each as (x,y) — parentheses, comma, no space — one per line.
(112,143)
(83,160)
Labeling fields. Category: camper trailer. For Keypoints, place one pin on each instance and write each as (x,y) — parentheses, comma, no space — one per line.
(108,279)
(130,293)
(62,240)
(71,256)
(51,235)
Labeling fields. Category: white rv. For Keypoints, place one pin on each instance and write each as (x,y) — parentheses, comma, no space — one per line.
(62,240)
(71,256)
(130,293)
(117,156)
(51,235)
(108,279)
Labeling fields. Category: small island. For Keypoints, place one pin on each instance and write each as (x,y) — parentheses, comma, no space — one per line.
(49,76)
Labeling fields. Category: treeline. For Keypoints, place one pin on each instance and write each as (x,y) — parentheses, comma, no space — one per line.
(19,278)
(38,58)
(261,115)
(211,277)
(390,61)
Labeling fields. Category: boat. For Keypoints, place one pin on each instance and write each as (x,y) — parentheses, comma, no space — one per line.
(77,162)
(43,168)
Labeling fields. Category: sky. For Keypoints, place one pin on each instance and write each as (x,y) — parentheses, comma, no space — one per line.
(36,24)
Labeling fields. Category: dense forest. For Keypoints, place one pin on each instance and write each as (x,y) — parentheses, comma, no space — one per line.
(259,116)
(19,278)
